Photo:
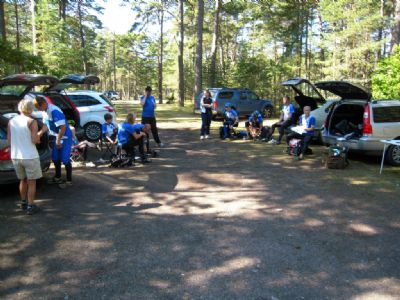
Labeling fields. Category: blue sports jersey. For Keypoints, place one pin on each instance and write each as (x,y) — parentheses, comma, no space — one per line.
(138,127)
(307,122)
(256,118)
(108,129)
(149,106)
(125,130)
(54,118)
(286,110)
(231,115)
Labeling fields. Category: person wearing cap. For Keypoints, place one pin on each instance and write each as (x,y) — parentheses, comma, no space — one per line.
(231,119)
(148,102)
(254,126)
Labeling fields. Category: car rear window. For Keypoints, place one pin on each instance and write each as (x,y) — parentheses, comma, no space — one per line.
(83,100)
(386,114)
(61,103)
(225,95)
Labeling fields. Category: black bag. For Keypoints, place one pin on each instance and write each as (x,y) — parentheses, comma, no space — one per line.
(120,162)
(337,158)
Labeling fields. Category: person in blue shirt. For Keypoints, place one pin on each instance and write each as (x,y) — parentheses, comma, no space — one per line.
(109,129)
(131,135)
(231,120)
(254,126)
(307,123)
(55,122)
(148,102)
(285,120)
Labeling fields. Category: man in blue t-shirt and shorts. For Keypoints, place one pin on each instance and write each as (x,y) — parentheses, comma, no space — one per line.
(149,105)
(307,123)
(131,135)
(55,122)
(285,119)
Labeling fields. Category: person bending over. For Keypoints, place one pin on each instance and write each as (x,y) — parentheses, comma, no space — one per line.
(55,122)
(285,119)
(231,119)
(131,135)
(307,129)
(254,126)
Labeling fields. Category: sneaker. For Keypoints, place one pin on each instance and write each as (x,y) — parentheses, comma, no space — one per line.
(301,156)
(64,185)
(32,209)
(23,205)
(272,142)
(160,145)
(208,137)
(90,165)
(55,180)
(202,137)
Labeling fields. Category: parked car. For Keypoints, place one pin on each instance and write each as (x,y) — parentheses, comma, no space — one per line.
(308,95)
(363,122)
(244,100)
(13,89)
(111,95)
(92,107)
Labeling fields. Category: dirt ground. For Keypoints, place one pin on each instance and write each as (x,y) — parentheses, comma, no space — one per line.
(208,220)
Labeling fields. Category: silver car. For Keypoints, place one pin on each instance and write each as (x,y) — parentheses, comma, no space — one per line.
(361,121)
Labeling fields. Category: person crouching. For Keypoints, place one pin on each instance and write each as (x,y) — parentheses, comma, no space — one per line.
(131,135)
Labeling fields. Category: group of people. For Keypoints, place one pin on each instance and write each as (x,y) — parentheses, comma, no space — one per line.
(255,128)
(24,134)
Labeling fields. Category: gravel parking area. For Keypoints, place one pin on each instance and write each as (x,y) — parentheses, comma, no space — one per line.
(208,220)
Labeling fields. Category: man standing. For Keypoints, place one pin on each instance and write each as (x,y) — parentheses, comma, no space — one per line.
(149,105)
(23,137)
(285,120)
(55,122)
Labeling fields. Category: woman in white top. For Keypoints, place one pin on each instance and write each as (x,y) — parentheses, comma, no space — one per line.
(23,137)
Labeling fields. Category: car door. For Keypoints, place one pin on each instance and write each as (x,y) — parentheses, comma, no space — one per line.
(244,105)
(253,101)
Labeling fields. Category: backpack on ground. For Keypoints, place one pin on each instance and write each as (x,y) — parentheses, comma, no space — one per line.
(337,157)
(120,161)
(295,147)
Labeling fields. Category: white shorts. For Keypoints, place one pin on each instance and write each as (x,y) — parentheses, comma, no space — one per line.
(27,168)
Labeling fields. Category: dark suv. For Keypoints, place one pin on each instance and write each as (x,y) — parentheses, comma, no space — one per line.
(244,100)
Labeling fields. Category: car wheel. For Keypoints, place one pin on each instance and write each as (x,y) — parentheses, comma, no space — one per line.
(267,112)
(92,131)
(393,155)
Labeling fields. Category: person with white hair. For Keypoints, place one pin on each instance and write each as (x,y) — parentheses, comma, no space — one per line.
(22,138)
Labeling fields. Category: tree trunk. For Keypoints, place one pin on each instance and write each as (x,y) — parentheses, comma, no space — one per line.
(199,48)
(396,27)
(161,55)
(2,22)
(82,38)
(33,20)
(380,31)
(180,58)
(214,43)
(17,33)
(62,9)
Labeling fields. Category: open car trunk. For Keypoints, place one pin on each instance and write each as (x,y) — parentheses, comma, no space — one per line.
(347,120)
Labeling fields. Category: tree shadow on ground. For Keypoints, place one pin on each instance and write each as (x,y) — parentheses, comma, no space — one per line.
(208,220)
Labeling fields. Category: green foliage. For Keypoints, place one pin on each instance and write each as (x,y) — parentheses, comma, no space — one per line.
(386,78)
(14,60)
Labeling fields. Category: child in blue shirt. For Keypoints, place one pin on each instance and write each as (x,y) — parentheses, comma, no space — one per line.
(109,130)
(231,119)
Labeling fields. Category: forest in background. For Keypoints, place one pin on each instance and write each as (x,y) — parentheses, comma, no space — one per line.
(207,43)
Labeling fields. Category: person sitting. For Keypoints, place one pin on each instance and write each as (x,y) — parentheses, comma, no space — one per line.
(304,132)
(81,146)
(231,120)
(285,120)
(109,130)
(131,135)
(254,127)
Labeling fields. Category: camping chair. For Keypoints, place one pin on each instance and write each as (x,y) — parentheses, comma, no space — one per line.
(76,154)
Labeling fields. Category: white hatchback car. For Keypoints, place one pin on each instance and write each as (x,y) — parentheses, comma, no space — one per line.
(92,107)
